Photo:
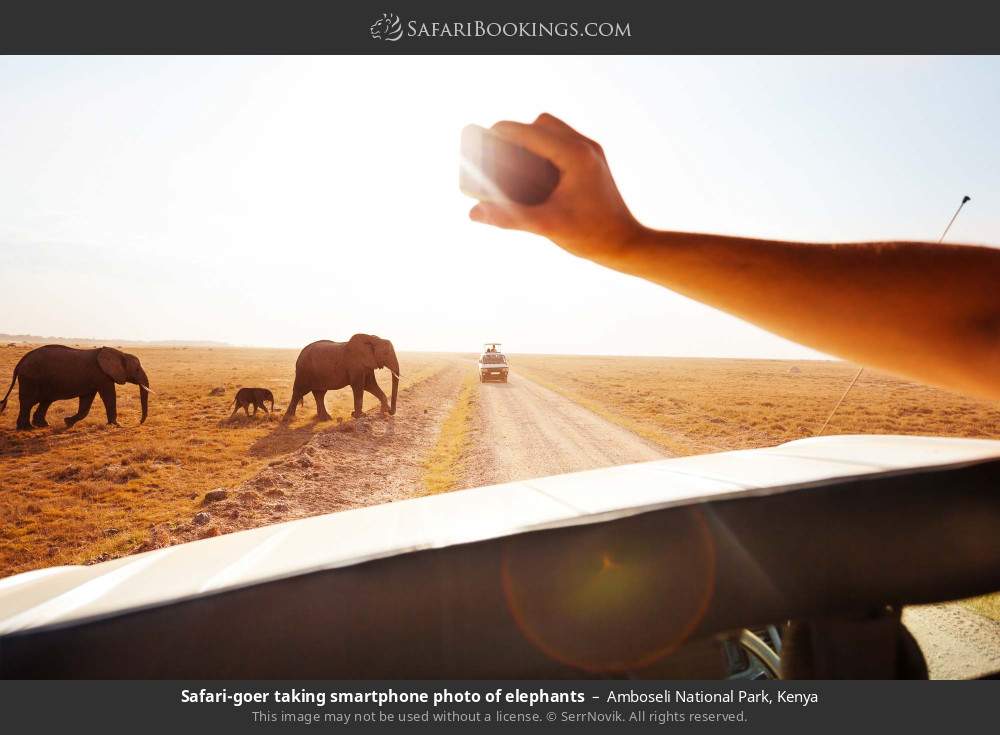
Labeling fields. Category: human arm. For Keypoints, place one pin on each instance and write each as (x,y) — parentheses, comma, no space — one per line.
(926,311)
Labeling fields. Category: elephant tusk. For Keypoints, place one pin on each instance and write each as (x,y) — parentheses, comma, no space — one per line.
(146,388)
(393,374)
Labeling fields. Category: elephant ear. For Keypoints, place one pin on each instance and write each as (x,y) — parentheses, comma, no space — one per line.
(362,349)
(112,362)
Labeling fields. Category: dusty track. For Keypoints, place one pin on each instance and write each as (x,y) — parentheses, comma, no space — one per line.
(525,430)
(957,643)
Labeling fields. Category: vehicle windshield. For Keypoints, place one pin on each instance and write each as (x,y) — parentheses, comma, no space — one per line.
(308,290)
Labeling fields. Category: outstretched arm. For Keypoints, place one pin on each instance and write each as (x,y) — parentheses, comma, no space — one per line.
(926,311)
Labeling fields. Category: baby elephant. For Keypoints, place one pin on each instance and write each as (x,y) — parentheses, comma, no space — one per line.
(245,397)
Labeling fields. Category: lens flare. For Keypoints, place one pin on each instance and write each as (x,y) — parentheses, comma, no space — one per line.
(611,597)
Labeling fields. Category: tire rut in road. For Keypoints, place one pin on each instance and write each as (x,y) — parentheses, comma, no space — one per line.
(525,430)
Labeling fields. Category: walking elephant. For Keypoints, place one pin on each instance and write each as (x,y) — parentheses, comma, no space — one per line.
(57,373)
(246,397)
(326,365)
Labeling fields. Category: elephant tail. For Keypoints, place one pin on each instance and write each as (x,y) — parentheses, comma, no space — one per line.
(13,379)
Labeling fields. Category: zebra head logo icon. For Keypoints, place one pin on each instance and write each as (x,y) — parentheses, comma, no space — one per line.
(387,28)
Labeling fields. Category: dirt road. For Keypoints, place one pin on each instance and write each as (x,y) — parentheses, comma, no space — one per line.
(957,643)
(525,430)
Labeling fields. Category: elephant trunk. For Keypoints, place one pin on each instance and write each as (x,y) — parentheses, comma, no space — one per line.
(394,367)
(143,395)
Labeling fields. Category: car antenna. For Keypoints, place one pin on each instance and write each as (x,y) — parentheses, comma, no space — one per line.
(861,369)
(965,199)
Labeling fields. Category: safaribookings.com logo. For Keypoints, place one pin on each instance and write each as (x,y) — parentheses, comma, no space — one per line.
(387,28)
(390,28)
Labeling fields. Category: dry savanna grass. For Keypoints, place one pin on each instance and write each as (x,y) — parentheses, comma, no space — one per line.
(695,405)
(94,492)
(441,470)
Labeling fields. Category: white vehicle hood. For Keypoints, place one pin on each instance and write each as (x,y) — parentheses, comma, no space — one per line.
(63,595)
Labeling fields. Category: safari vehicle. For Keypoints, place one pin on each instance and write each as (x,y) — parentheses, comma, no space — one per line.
(666,569)
(493,363)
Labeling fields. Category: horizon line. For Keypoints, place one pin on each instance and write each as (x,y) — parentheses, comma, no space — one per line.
(219,344)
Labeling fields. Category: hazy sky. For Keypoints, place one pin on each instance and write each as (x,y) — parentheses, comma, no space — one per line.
(276,201)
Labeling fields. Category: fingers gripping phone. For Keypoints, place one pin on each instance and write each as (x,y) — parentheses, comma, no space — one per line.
(495,170)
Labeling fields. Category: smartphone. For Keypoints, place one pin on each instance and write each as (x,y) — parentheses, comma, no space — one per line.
(494,170)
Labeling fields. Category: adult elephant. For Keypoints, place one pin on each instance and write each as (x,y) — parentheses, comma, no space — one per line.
(56,373)
(327,365)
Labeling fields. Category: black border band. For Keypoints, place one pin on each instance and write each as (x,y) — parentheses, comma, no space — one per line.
(515,27)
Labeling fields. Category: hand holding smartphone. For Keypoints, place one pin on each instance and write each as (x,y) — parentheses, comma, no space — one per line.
(495,170)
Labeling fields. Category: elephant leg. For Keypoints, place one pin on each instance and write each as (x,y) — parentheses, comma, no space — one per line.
(297,395)
(321,413)
(246,409)
(110,400)
(39,418)
(81,413)
(24,413)
(24,417)
(236,408)
(371,385)
(359,397)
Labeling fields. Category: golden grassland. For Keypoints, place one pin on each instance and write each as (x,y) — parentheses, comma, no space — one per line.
(696,405)
(93,492)
(987,605)
(441,470)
